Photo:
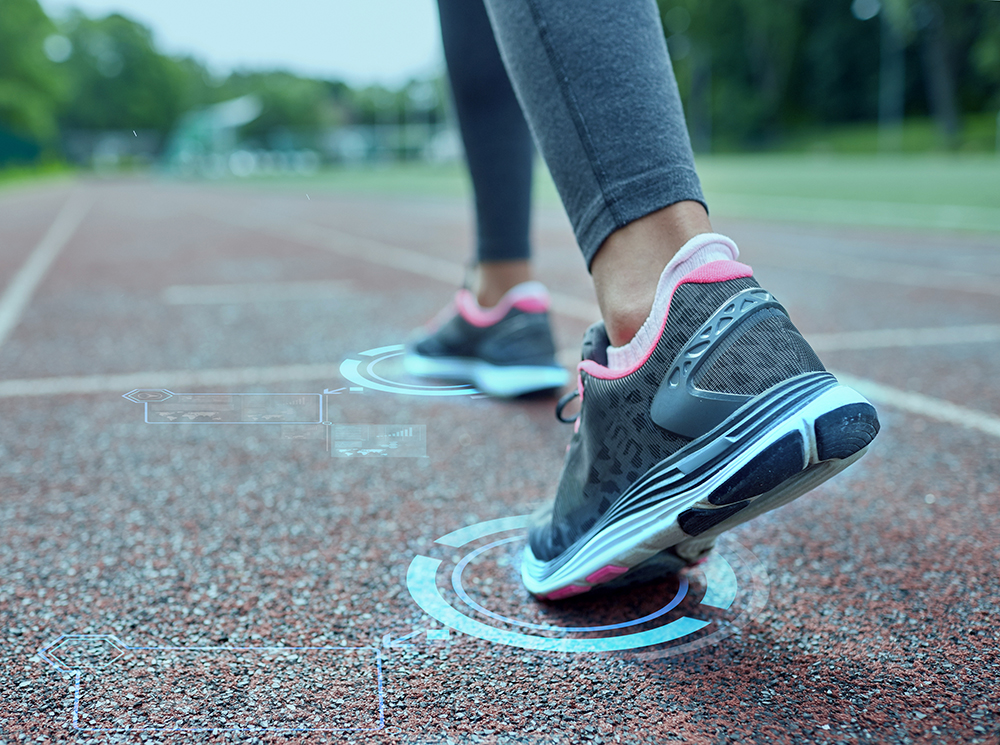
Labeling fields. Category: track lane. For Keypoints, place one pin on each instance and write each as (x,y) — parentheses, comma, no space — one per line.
(880,602)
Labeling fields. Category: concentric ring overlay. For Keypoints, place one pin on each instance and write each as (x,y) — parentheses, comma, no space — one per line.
(456,583)
(362,372)
(719,575)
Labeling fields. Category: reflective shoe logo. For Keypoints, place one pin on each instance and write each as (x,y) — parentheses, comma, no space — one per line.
(678,405)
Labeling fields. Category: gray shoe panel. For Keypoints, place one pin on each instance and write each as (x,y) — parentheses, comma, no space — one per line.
(519,338)
(619,438)
(681,407)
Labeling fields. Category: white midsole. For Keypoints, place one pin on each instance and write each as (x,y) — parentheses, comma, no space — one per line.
(497,380)
(633,539)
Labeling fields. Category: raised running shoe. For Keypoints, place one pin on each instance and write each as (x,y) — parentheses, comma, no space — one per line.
(504,351)
(729,415)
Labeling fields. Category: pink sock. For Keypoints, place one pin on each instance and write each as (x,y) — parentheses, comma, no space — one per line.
(700,250)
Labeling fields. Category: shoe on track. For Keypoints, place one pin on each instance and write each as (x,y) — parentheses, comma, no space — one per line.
(731,414)
(504,351)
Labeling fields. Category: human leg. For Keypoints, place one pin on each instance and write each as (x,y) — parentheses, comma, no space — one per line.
(622,158)
(499,339)
(627,265)
(702,406)
(496,278)
(598,91)
(498,147)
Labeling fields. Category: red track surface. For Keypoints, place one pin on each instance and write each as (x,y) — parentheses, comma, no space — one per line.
(881,620)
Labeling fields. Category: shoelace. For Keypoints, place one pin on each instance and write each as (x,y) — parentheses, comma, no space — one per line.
(562,405)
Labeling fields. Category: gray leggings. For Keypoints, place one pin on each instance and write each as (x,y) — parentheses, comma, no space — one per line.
(594,80)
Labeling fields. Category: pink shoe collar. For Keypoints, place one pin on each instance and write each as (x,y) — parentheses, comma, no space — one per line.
(716,271)
(530,297)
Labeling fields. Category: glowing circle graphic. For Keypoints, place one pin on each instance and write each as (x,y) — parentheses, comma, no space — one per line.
(717,575)
(362,372)
(456,583)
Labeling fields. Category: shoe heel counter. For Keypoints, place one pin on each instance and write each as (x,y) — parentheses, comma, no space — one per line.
(521,338)
(760,353)
(745,347)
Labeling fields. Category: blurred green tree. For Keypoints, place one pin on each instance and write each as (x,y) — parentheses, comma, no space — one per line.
(31,84)
(749,71)
(985,59)
(118,80)
(290,103)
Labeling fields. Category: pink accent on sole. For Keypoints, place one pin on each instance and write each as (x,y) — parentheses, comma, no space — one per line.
(565,592)
(606,573)
(716,271)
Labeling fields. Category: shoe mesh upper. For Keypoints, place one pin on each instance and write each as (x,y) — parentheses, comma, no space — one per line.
(769,349)
(617,440)
(519,338)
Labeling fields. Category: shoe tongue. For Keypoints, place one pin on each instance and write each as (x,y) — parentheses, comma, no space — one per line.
(595,344)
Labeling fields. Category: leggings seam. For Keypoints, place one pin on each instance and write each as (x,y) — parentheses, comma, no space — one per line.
(581,128)
(648,191)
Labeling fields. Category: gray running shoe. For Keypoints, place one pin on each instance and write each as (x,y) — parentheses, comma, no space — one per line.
(730,415)
(503,351)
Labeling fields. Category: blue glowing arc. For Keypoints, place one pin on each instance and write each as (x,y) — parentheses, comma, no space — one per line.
(350,369)
(456,583)
(421,580)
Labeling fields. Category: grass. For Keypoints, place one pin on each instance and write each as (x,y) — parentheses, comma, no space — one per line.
(404,179)
(917,135)
(904,179)
(914,191)
(956,192)
(19,176)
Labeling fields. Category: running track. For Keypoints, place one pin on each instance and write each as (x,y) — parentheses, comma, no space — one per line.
(867,611)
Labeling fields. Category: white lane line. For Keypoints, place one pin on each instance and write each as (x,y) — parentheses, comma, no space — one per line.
(18,293)
(877,393)
(408,260)
(402,259)
(889,272)
(886,338)
(169,379)
(453,273)
(230,294)
(262,292)
(843,341)
(927,406)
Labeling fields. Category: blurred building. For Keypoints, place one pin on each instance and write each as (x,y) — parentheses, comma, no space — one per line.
(109,150)
(205,139)
(379,143)
(208,142)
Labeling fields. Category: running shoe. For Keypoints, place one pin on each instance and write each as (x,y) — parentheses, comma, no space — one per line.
(504,351)
(729,414)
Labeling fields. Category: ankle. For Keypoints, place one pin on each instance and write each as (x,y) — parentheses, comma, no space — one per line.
(497,278)
(623,320)
(627,267)
(698,256)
